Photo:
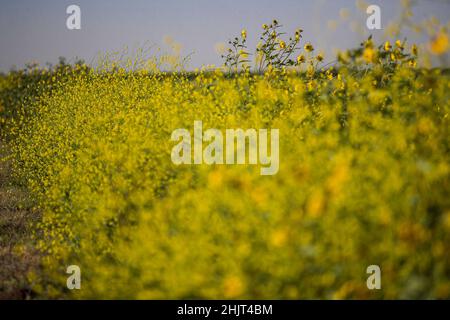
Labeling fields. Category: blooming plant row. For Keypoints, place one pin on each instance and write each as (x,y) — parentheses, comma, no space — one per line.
(363,177)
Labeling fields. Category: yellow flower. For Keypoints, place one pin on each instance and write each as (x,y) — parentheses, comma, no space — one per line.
(387,46)
(233,287)
(308,47)
(399,44)
(369,55)
(298,34)
(244,34)
(215,179)
(282,44)
(319,57)
(279,237)
(439,44)
(393,57)
(315,204)
(414,50)
(264,26)
(300,59)
(329,75)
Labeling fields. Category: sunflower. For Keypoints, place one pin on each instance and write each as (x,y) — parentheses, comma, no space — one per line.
(301,59)
(308,47)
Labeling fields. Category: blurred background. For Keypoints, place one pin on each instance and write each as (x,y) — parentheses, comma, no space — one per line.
(35,31)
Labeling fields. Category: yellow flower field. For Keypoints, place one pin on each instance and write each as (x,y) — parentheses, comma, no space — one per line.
(364,179)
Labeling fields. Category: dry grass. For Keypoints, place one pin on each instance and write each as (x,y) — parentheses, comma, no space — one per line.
(16,218)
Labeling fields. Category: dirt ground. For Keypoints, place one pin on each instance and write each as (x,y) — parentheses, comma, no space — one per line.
(17,256)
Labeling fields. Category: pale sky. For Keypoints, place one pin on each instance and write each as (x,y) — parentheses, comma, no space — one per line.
(36,30)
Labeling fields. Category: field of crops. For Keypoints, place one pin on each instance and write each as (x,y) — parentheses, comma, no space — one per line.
(363,179)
